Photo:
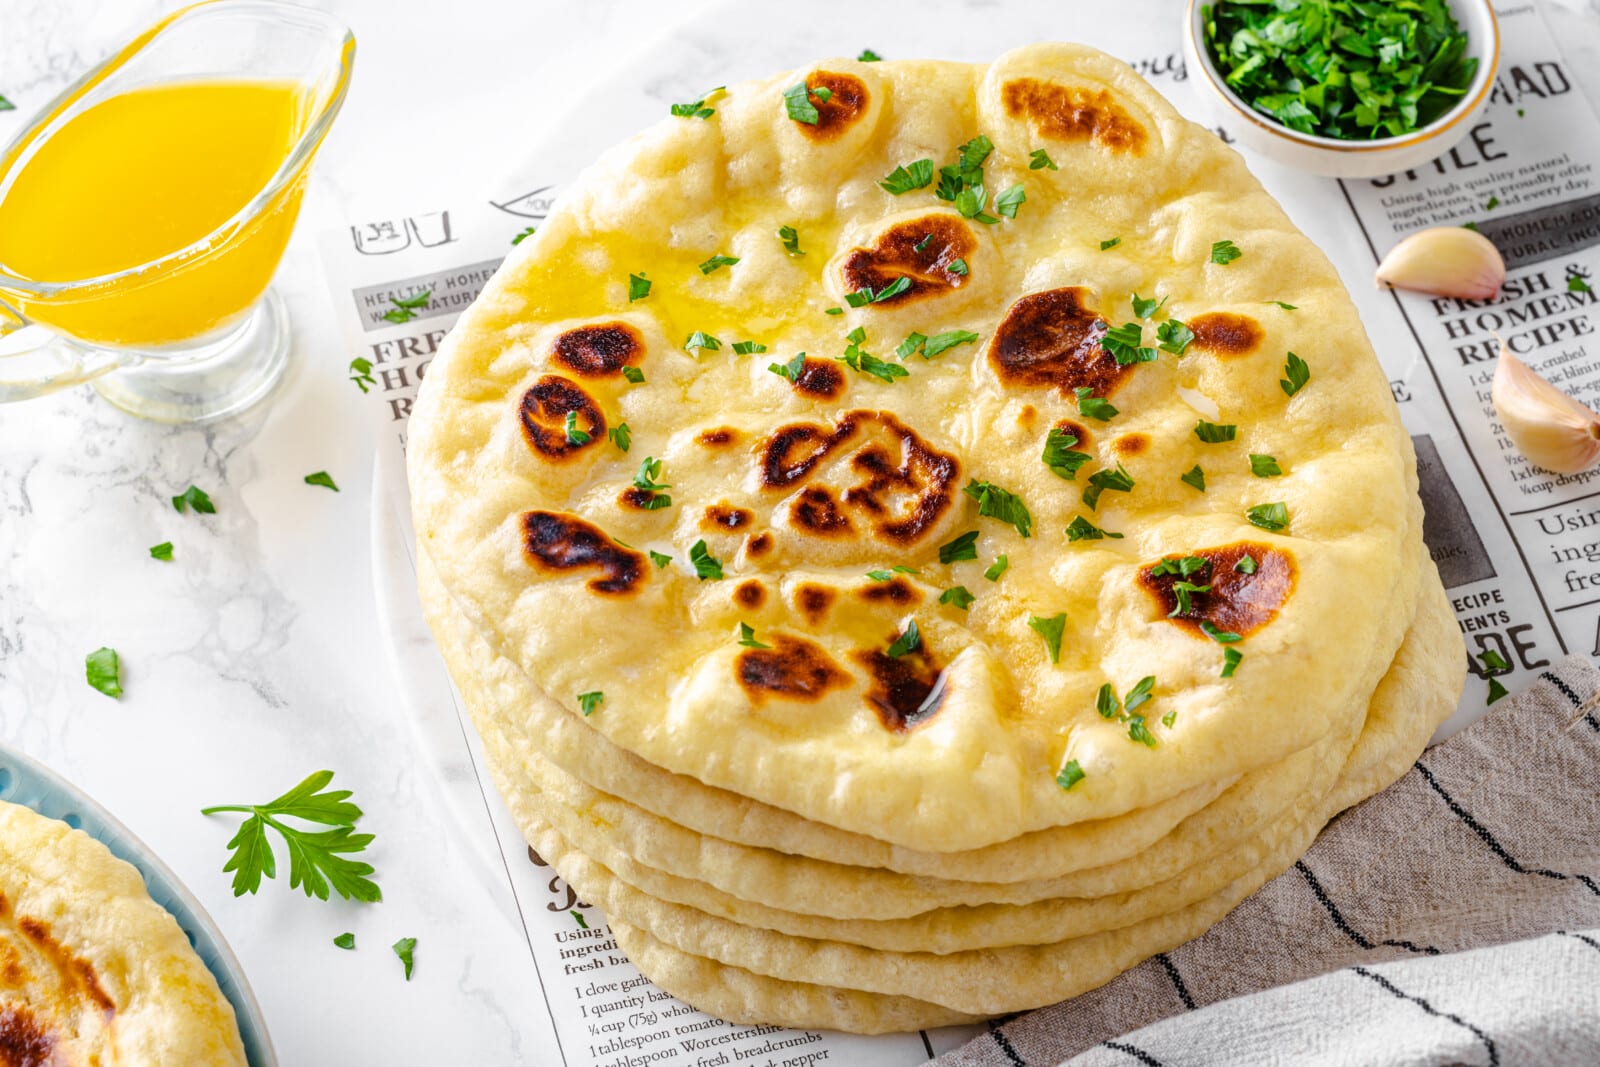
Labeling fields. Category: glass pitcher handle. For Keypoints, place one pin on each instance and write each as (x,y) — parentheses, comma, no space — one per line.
(34,361)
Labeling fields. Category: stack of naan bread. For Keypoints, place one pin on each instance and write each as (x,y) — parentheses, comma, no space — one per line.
(878,700)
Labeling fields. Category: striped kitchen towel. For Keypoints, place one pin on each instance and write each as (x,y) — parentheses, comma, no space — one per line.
(1454,918)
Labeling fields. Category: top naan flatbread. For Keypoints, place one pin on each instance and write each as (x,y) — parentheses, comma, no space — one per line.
(796,486)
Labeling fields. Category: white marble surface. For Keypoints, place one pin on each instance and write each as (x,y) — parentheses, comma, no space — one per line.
(253,658)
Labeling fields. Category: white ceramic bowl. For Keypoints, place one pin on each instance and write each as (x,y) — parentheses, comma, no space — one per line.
(1354,159)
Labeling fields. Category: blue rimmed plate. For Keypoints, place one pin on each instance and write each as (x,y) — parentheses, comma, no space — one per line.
(26,781)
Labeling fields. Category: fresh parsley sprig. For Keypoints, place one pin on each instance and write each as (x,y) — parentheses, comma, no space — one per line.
(318,859)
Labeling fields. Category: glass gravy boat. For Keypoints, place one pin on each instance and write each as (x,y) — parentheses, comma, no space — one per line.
(194,333)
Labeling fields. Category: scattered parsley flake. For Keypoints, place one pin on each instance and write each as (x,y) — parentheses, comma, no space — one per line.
(908,642)
(1183,567)
(970,203)
(196,499)
(361,373)
(706,566)
(1264,466)
(941,343)
(958,266)
(588,702)
(524,235)
(1106,702)
(910,346)
(1224,252)
(576,436)
(406,949)
(322,478)
(163,551)
(1050,629)
(1118,480)
(638,287)
(1496,691)
(747,637)
(621,436)
(791,240)
(957,596)
(1494,202)
(995,502)
(660,559)
(997,568)
(791,370)
(1296,375)
(1576,283)
(1107,245)
(1195,477)
(917,174)
(717,262)
(1124,344)
(405,309)
(867,363)
(1081,529)
(1213,433)
(634,375)
(868,56)
(1070,775)
(1493,661)
(1173,336)
(797,103)
(834,311)
(1217,634)
(823,93)
(963,547)
(1169,718)
(864,296)
(1181,592)
(649,471)
(1138,731)
(1007,203)
(1269,516)
(1141,692)
(345,941)
(1144,307)
(1092,407)
(1246,564)
(696,109)
(748,348)
(1231,658)
(1280,303)
(1039,159)
(6,105)
(1059,455)
(922,244)
(103,670)
(700,339)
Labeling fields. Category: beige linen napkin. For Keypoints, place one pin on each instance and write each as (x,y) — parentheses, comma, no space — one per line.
(1452,919)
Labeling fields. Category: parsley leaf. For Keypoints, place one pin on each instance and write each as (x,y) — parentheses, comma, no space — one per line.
(1213,433)
(797,103)
(1231,658)
(103,671)
(647,474)
(701,340)
(1144,307)
(706,566)
(997,568)
(406,949)
(589,702)
(1269,516)
(1181,592)
(995,502)
(958,266)
(1039,159)
(361,373)
(1123,343)
(1110,243)
(1220,636)
(941,343)
(717,262)
(620,436)
(1183,567)
(1224,252)
(884,576)
(1059,455)
(1245,565)
(911,345)
(908,642)
(1280,303)
(1092,407)
(1050,629)
(791,370)
(1296,375)
(194,497)
(1264,466)
(638,287)
(957,596)
(576,436)
(696,109)
(970,203)
(660,559)
(1496,691)
(1106,702)
(1195,477)
(1576,282)
(1138,731)
(634,375)
(524,235)
(917,174)
(6,105)
(322,478)
(867,363)
(1173,336)
(345,941)
(163,551)
(1141,692)
(963,547)
(868,56)
(1493,661)
(864,296)
(405,309)
(748,348)
(318,860)
(1070,774)
(1081,529)
(1008,202)
(747,637)
(791,240)
(1118,480)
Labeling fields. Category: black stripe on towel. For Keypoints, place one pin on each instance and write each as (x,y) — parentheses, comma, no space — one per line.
(1488,1044)
(1005,1045)
(1344,927)
(1133,1050)
(1177,979)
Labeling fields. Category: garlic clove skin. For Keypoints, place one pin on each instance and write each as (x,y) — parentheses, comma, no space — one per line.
(1552,429)
(1445,261)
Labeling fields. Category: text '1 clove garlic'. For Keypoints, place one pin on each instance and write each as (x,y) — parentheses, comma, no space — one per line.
(1445,261)
(1552,429)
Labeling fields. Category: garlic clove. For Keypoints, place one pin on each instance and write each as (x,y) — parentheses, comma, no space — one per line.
(1552,429)
(1445,261)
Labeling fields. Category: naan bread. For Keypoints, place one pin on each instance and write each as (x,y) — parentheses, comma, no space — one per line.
(800,488)
(92,971)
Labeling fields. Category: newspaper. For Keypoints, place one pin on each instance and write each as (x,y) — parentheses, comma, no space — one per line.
(1518,548)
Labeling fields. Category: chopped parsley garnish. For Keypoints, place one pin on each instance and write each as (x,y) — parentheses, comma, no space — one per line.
(911,345)
(1213,433)
(834,311)
(660,559)
(406,949)
(405,309)
(908,642)
(102,669)
(163,551)
(1081,529)
(1146,307)
(576,436)
(1195,477)
(747,637)
(345,941)
(1230,661)
(1006,203)
(860,360)
(524,235)
(634,375)
(1181,592)
(361,373)
(1039,159)
(1296,375)
(791,240)
(1493,661)
(970,203)
(195,498)
(696,109)
(1173,336)
(1110,243)
(1220,636)
(700,339)
(1107,705)
(1050,629)
(638,287)
(864,296)
(1138,731)
(884,576)
(1494,202)
(963,547)
(1169,718)
(1092,407)
(1264,466)
(917,174)
(1106,702)
(1280,303)
(922,244)
(1123,343)
(318,859)
(1070,774)
(868,56)
(322,478)
(966,173)
(997,568)
(1118,480)
(1183,567)
(958,597)
(748,348)
(717,262)
(6,105)
(706,565)
(997,503)
(1224,252)
(621,436)
(649,471)
(797,103)
(958,266)
(1140,693)
(1269,516)
(824,94)
(936,345)
(1246,564)
(1576,282)
(588,702)
(1496,691)
(1059,455)
(790,370)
